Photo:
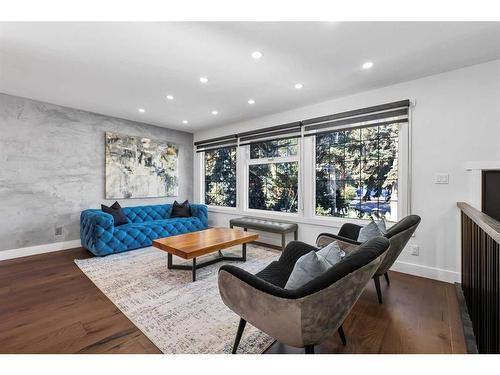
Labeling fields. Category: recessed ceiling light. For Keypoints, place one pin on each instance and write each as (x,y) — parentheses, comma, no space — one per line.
(256,55)
(251,101)
(203,79)
(214,112)
(142,110)
(170,97)
(367,65)
(298,86)
(185,121)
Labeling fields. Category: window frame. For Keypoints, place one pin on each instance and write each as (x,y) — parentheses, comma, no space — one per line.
(404,168)
(248,161)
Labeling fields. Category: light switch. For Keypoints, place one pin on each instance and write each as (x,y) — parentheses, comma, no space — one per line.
(441,178)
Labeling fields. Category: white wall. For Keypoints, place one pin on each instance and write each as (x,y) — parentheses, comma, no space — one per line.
(456,120)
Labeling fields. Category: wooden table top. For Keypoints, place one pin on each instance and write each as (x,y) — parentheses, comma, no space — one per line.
(195,244)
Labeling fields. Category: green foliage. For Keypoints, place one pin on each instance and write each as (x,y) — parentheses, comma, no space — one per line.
(273,187)
(220,177)
(356,170)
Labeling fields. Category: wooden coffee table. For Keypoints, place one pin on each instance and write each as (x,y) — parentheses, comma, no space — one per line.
(195,244)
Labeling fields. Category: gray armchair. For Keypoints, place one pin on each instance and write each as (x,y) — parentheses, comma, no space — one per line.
(398,235)
(305,316)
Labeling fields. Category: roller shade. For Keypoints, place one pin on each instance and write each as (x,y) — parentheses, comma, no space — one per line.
(285,131)
(216,143)
(383,114)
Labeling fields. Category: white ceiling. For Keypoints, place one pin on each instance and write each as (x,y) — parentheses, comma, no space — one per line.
(116,68)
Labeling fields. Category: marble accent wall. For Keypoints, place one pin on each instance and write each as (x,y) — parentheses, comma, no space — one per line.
(52,167)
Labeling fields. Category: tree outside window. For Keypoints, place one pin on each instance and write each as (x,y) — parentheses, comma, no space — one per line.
(273,174)
(357,172)
(220,177)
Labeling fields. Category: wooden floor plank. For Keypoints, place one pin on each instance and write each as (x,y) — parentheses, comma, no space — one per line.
(47,305)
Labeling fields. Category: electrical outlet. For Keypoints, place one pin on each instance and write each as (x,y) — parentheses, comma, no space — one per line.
(442,178)
(414,250)
(58,231)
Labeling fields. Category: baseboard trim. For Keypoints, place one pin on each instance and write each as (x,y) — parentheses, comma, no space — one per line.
(40,249)
(427,272)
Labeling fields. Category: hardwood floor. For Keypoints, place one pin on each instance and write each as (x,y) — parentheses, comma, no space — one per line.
(47,305)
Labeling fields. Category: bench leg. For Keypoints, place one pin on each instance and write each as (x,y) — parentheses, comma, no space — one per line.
(296,235)
(283,241)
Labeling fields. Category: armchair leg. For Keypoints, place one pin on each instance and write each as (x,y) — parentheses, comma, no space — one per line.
(241,328)
(342,335)
(386,275)
(309,349)
(377,286)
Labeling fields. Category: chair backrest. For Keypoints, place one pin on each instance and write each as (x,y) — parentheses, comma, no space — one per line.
(399,235)
(141,214)
(365,254)
(324,311)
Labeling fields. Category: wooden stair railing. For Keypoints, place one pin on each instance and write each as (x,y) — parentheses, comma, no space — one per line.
(481,275)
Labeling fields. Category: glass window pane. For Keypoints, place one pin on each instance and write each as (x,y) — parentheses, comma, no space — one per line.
(274,149)
(369,133)
(274,187)
(352,151)
(388,148)
(220,177)
(369,149)
(360,181)
(386,131)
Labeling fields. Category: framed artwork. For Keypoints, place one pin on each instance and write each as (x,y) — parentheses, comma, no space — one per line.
(140,167)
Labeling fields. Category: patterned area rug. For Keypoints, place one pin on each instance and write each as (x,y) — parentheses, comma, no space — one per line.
(177,315)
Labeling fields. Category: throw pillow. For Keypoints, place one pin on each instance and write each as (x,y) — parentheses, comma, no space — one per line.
(381,226)
(306,268)
(181,210)
(332,253)
(369,231)
(115,210)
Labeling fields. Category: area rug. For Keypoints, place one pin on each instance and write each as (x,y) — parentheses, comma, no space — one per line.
(176,314)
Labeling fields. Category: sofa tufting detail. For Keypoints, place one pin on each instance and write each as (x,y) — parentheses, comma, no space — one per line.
(146,223)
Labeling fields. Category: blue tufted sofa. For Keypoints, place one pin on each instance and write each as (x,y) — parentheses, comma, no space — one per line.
(146,223)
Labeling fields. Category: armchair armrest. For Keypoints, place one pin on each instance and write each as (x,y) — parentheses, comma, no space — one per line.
(201,212)
(256,282)
(94,226)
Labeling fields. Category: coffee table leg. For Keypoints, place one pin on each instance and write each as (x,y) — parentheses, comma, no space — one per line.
(244,252)
(169,261)
(194,269)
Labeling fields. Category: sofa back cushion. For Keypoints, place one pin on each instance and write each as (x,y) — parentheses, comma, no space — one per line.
(140,214)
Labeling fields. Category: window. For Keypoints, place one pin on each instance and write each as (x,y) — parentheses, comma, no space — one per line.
(220,177)
(273,175)
(357,172)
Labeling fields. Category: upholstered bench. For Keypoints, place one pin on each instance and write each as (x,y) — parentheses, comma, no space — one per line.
(267,225)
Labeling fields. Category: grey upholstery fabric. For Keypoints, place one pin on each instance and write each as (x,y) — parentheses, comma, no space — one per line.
(381,226)
(266,225)
(306,268)
(332,253)
(369,231)
(296,318)
(398,236)
(346,245)
(297,322)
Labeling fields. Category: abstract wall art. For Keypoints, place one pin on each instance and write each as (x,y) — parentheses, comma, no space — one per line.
(140,167)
